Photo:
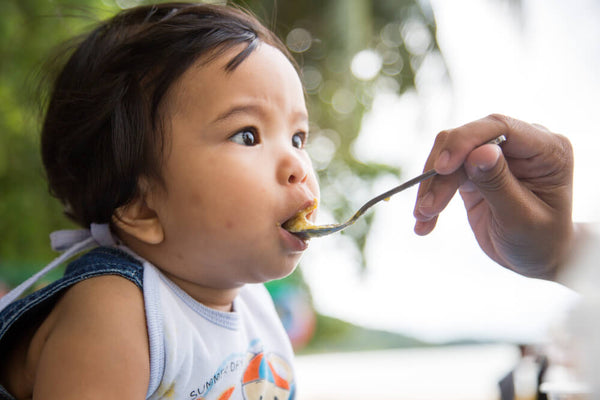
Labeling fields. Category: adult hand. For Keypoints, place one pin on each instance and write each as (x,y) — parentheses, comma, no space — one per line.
(518,197)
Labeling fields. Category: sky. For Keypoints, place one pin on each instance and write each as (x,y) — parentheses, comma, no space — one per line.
(540,66)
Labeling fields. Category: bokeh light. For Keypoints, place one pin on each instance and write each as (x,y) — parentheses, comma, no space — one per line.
(299,40)
(366,64)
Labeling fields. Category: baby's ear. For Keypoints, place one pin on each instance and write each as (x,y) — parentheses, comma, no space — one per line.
(139,220)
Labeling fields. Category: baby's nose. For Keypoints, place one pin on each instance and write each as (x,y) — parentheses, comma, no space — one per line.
(293,168)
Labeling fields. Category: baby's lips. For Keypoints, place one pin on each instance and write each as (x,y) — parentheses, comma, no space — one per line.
(310,207)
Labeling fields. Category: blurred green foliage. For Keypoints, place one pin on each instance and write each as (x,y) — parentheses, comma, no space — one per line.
(29,29)
(326,37)
(334,335)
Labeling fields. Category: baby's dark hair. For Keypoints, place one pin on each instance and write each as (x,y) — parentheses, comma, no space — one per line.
(104,125)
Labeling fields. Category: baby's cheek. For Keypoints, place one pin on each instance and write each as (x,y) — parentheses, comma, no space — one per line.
(229,225)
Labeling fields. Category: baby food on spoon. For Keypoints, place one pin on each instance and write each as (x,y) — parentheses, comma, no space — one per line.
(300,222)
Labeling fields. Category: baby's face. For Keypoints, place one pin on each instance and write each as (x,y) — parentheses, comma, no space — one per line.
(235,171)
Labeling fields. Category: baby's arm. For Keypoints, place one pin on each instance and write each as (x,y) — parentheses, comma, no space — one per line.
(97,344)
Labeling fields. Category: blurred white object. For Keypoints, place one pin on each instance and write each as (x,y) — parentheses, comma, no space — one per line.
(465,372)
(579,339)
(525,378)
(562,385)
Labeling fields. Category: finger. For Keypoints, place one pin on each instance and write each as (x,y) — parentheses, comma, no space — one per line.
(523,140)
(431,159)
(437,196)
(439,156)
(470,194)
(438,192)
(434,194)
(429,207)
(423,228)
(435,199)
(425,220)
(553,160)
(445,186)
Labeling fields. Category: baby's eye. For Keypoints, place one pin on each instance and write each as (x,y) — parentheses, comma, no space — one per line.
(245,137)
(299,139)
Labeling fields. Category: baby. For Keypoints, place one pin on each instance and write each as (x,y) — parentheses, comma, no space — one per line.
(176,134)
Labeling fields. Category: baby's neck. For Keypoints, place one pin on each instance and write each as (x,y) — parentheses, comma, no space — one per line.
(217,298)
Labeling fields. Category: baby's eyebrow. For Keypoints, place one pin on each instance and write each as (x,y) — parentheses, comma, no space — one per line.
(242,109)
(300,116)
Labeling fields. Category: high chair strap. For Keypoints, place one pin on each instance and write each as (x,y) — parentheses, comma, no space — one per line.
(72,242)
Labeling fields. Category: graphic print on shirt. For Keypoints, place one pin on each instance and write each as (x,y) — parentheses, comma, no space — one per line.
(267,376)
(221,384)
(259,375)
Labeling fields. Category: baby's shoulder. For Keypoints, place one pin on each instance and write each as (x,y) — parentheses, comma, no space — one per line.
(96,324)
(100,303)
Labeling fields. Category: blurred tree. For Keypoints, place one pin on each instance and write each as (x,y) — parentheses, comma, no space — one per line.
(347,49)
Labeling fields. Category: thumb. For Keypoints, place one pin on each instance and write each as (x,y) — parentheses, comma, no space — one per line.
(487,169)
(482,162)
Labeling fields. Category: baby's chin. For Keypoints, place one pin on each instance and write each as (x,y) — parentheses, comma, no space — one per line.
(282,271)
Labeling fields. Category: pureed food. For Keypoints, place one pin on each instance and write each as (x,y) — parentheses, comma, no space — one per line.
(299,222)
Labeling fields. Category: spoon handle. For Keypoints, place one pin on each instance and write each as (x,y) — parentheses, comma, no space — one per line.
(393,191)
(424,176)
(322,230)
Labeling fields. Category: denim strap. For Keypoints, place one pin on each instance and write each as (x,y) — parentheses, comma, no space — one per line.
(72,242)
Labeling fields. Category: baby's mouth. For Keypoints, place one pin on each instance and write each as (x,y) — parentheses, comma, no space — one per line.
(300,220)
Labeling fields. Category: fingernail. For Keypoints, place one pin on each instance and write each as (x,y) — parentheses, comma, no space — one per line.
(487,165)
(442,161)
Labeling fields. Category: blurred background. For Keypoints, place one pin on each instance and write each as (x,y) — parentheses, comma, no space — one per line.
(376,311)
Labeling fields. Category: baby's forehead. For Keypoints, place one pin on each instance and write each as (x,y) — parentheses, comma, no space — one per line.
(208,77)
(181,92)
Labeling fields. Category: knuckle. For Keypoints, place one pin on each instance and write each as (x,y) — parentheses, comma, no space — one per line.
(541,127)
(561,154)
(441,137)
(509,124)
(565,148)
(501,119)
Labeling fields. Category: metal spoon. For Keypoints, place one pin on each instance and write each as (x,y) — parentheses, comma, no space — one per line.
(322,230)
